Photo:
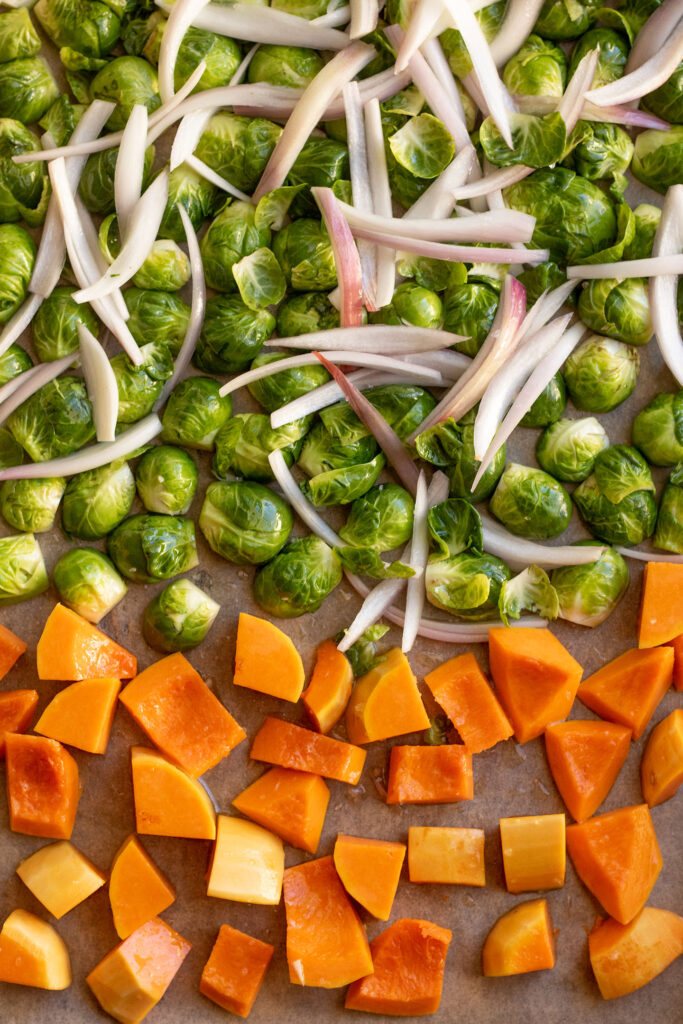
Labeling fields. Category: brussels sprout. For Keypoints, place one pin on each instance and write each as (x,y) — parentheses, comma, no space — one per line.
(423,146)
(636,12)
(166,267)
(98,500)
(612,49)
(544,277)
(411,304)
(567,449)
(345,484)
(539,68)
(657,430)
(18,37)
(55,421)
(140,386)
(647,219)
(667,101)
(13,362)
(179,617)
(381,519)
(24,188)
(31,505)
(530,503)
(127,81)
(232,334)
(244,522)
(466,585)
(454,526)
(565,19)
(669,531)
(273,207)
(304,252)
(222,56)
(195,412)
(298,579)
(198,196)
(17,255)
(574,218)
(403,406)
(55,325)
(22,569)
(489,18)
(604,151)
(549,405)
(620,470)
(166,480)
(157,317)
(88,583)
(658,158)
(469,309)
(589,593)
(530,591)
(601,373)
(323,451)
(231,235)
(96,187)
(86,25)
(145,548)
(285,65)
(322,162)
(282,388)
(259,279)
(434,275)
(11,453)
(245,442)
(450,444)
(536,141)
(302,8)
(367,561)
(61,119)
(619,308)
(238,148)
(627,522)
(27,89)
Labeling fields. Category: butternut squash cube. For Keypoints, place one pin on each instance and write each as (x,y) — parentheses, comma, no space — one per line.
(386,702)
(520,941)
(72,648)
(81,715)
(138,891)
(624,957)
(290,746)
(460,687)
(11,649)
(16,711)
(168,801)
(266,659)
(628,689)
(247,864)
(32,953)
(533,852)
(60,877)
(42,787)
(292,804)
(328,692)
(370,870)
(233,974)
(430,775)
(131,980)
(661,770)
(451,856)
(585,758)
(661,606)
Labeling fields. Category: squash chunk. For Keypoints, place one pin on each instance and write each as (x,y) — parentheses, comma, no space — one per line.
(233,974)
(616,856)
(628,689)
(42,787)
(168,801)
(430,775)
(71,648)
(409,958)
(11,649)
(370,870)
(520,941)
(533,852)
(450,856)
(536,678)
(16,711)
(460,687)
(386,702)
(291,804)
(138,891)
(266,659)
(328,692)
(247,863)
(585,758)
(624,957)
(661,770)
(32,953)
(661,604)
(60,877)
(290,746)
(172,704)
(82,714)
(326,942)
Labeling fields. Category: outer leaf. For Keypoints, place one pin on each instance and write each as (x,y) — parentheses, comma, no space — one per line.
(537,141)
(532,591)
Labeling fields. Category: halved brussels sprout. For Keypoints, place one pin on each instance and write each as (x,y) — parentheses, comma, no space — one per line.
(589,593)
(166,267)
(411,304)
(55,325)
(544,277)
(302,8)
(24,188)
(620,470)
(166,480)
(98,500)
(469,309)
(285,65)
(381,519)
(96,186)
(238,148)
(450,445)
(454,526)
(22,569)
(539,68)
(323,450)
(260,280)
(323,162)
(565,19)
(145,548)
(423,146)
(567,449)
(603,151)
(88,583)
(618,308)
(55,421)
(61,119)
(345,484)
(244,522)
(626,522)
(195,412)
(647,219)
(155,316)
(613,48)
(273,207)
(127,81)
(232,334)
(304,252)
(536,141)
(27,89)
(179,617)
(601,373)
(11,453)
(17,256)
(298,579)
(669,531)
(528,591)
(89,26)
(13,362)
(657,430)
(658,158)
(466,585)
(530,503)
(403,406)
(246,441)
(549,405)
(667,101)
(140,386)
(231,235)
(18,37)
(282,388)
(31,505)
(188,189)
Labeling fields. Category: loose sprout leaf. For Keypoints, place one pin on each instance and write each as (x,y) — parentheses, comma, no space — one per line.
(588,594)
(259,279)
(531,591)
(423,146)
(272,208)
(467,585)
(454,526)
(367,562)
(537,141)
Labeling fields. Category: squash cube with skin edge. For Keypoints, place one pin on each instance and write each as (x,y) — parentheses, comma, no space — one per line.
(60,877)
(81,715)
(462,690)
(370,870)
(430,775)
(17,708)
(138,891)
(233,974)
(71,648)
(624,957)
(290,746)
(42,787)
(386,702)
(520,941)
(248,863)
(661,770)
(329,690)
(291,804)
(661,605)
(449,856)
(628,689)
(130,981)
(32,953)
(168,801)
(585,758)
(11,649)
(266,659)
(677,644)
(533,852)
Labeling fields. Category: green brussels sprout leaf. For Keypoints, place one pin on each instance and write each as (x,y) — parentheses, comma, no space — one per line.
(529,591)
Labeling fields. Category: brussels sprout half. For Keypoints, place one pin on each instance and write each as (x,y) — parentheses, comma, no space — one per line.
(530,503)
(222,56)
(322,451)
(304,252)
(466,585)
(285,65)
(657,430)
(560,19)
(618,308)
(55,325)
(613,48)
(145,548)
(603,151)
(411,304)
(539,68)
(17,256)
(18,37)
(230,236)
(298,579)
(528,591)
(549,405)
(24,188)
(345,484)
(567,449)
(179,617)
(22,569)
(238,148)
(450,445)
(454,526)
(96,185)
(11,452)
(232,334)
(88,26)
(127,81)
(88,583)
(589,593)
(27,89)
(601,373)
(628,522)
(194,413)
(166,480)
(156,316)
(668,534)
(304,313)
(244,522)
(197,195)
(140,386)
(98,500)
(658,158)
(166,267)
(469,309)
(282,388)
(31,505)
(245,442)
(55,421)
(381,519)
(13,362)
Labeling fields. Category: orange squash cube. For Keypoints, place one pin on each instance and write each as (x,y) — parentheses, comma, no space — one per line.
(661,770)
(430,775)
(82,714)
(168,801)
(370,870)
(448,856)
(290,746)
(628,689)
(460,687)
(328,692)
(661,604)
(42,787)
(233,974)
(11,649)
(247,863)
(138,891)
(266,660)
(292,804)
(386,702)
(585,758)
(16,711)
(624,957)
(32,953)
(533,852)
(520,941)
(71,648)
(60,877)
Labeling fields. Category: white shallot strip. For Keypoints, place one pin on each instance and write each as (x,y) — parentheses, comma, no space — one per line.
(385,276)
(663,289)
(646,78)
(345,357)
(204,171)
(493,182)
(648,556)
(182,15)
(188,134)
(432,51)
(649,266)
(424,17)
(419,553)
(10,386)
(364,15)
(437,201)
(243,66)
(451,365)
(18,323)
(101,385)
(520,552)
(141,433)
(359,172)
(519,20)
(388,339)
(545,307)
(570,106)
(343,67)
(171,111)
(445,251)
(130,167)
(335,18)
(505,384)
(346,258)
(538,380)
(299,502)
(31,381)
(504,226)
(197,309)
(146,219)
(97,260)
(654,33)
(590,112)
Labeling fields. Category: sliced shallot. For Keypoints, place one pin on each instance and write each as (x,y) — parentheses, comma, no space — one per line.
(130,167)
(648,556)
(385,277)
(663,289)
(359,170)
(419,553)
(18,323)
(364,14)
(424,16)
(182,15)
(204,171)
(100,382)
(520,552)
(388,339)
(31,381)
(346,258)
(446,251)
(519,20)
(654,33)
(504,226)
(437,201)
(188,134)
(647,77)
(299,502)
(649,266)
